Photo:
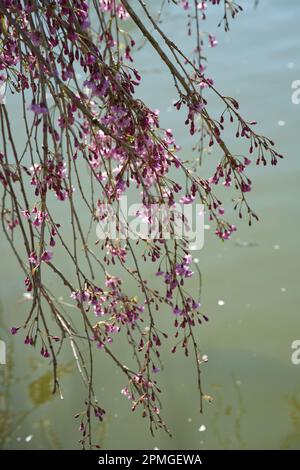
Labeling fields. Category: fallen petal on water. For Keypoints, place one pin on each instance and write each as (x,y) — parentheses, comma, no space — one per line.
(27,296)
(207,398)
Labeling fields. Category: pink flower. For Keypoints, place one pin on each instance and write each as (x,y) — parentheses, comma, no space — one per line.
(122,13)
(112,281)
(38,109)
(187,199)
(61,195)
(46,256)
(33,258)
(14,330)
(206,83)
(212,41)
(246,188)
(176,310)
(36,37)
(45,352)
(188,259)
(159,273)
(26,214)
(185,4)
(202,5)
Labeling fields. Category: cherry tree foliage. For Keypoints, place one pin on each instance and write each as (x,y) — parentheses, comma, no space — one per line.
(90,141)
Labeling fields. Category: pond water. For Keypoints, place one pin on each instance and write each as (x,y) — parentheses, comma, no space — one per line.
(250,284)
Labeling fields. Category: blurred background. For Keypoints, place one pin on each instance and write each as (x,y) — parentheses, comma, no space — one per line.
(250,284)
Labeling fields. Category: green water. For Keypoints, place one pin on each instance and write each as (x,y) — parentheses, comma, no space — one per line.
(254,385)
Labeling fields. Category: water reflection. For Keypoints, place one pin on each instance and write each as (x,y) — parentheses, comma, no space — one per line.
(13,413)
(10,418)
(292,440)
(234,411)
(40,389)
